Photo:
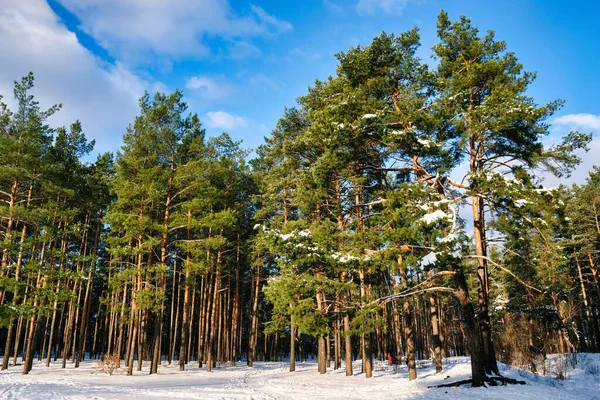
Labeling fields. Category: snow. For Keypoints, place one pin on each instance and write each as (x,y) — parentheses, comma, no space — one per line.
(434,217)
(344,258)
(541,221)
(454,96)
(429,259)
(521,108)
(447,239)
(304,246)
(500,303)
(410,129)
(521,202)
(545,190)
(489,175)
(426,142)
(291,235)
(287,236)
(369,116)
(271,380)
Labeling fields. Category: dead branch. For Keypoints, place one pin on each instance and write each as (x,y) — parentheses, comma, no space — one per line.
(505,270)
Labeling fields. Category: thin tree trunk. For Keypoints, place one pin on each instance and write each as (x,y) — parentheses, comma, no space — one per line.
(252,342)
(292,344)
(184,323)
(435,328)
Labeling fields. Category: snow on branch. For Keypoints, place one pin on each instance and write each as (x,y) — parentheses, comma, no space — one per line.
(433,217)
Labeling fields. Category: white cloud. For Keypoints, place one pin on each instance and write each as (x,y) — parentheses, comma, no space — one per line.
(102,96)
(297,52)
(136,30)
(242,50)
(211,87)
(581,173)
(387,6)
(582,121)
(585,123)
(264,82)
(263,16)
(332,6)
(223,120)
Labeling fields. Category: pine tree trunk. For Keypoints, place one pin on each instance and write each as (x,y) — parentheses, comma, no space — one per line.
(435,337)
(409,332)
(133,340)
(292,345)
(482,275)
(252,341)
(235,320)
(31,334)
(212,327)
(10,333)
(366,345)
(173,313)
(584,294)
(328,350)
(348,345)
(67,334)
(190,323)
(594,273)
(86,305)
(336,345)
(409,335)
(7,346)
(12,198)
(203,316)
(473,337)
(121,338)
(321,355)
(41,353)
(185,324)
(18,337)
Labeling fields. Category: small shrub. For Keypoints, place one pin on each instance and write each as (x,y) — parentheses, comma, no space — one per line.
(593,370)
(108,364)
(561,367)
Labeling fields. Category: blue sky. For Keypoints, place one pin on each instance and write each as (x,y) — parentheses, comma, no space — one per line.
(240,63)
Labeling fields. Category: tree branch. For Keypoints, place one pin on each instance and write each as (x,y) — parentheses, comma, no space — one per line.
(505,270)
(399,295)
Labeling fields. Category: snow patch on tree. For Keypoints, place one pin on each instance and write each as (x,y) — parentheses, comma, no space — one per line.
(521,202)
(429,259)
(434,217)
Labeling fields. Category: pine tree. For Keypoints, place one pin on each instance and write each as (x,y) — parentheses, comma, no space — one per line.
(141,214)
(482,91)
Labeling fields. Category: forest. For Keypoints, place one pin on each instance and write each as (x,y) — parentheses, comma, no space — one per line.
(398,209)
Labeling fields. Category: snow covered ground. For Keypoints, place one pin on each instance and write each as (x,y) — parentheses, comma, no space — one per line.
(273,381)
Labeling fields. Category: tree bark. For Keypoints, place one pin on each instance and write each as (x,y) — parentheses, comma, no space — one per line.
(472,335)
(435,337)
(292,345)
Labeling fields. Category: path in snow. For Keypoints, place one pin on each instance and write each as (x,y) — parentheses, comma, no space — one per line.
(270,381)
